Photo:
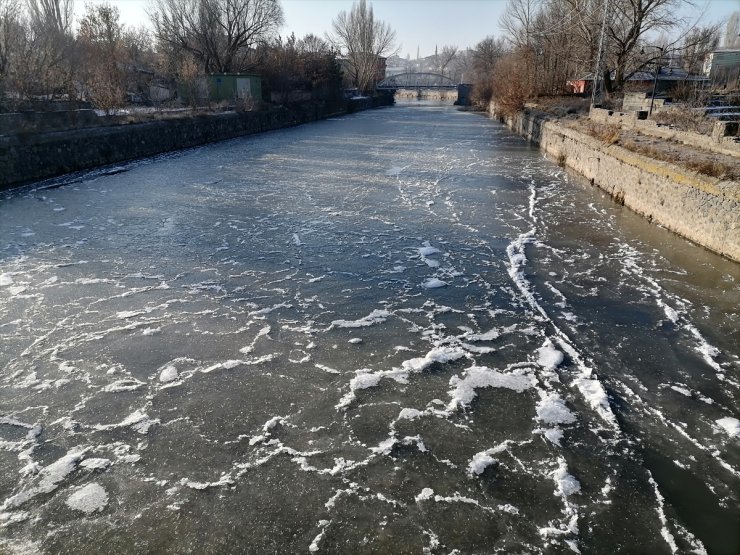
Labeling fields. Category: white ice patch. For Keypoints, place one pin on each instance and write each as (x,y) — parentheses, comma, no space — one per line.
(375,317)
(487,336)
(409,414)
(433,283)
(551,409)
(565,483)
(168,374)
(314,547)
(442,355)
(554,436)
(364,379)
(224,481)
(681,390)
(138,421)
(88,499)
(227,365)
(482,376)
(355,340)
(425,495)
(126,384)
(667,536)
(480,462)
(48,479)
(730,425)
(95,464)
(428,250)
(548,356)
(5,280)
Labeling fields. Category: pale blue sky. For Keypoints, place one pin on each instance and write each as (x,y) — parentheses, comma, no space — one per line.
(422,23)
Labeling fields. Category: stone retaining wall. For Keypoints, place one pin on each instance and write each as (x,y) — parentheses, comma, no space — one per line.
(26,157)
(703,209)
(724,138)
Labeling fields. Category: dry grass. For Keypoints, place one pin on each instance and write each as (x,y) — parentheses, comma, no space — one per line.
(685,119)
(607,133)
(705,166)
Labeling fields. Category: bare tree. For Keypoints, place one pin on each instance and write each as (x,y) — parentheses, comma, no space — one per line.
(52,15)
(218,33)
(363,40)
(40,61)
(313,45)
(485,57)
(695,46)
(517,21)
(12,35)
(628,22)
(100,37)
(445,58)
(732,31)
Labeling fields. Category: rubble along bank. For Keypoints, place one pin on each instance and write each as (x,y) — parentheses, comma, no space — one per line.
(703,209)
(28,157)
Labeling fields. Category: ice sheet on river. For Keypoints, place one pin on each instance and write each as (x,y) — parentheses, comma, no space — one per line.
(337,338)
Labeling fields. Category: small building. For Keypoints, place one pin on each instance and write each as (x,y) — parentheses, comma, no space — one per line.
(667,80)
(233,86)
(722,67)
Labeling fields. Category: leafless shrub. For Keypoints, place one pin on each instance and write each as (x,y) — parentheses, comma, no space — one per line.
(513,83)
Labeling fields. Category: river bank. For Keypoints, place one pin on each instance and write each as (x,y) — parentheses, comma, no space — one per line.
(31,156)
(701,208)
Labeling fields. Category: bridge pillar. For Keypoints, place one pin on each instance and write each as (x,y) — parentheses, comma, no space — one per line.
(463,94)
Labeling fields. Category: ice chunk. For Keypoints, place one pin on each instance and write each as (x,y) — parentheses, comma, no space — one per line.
(5,280)
(168,374)
(434,283)
(375,317)
(482,376)
(95,464)
(126,384)
(428,250)
(480,462)
(425,495)
(552,410)
(409,414)
(730,425)
(138,421)
(438,354)
(48,479)
(364,381)
(548,356)
(565,483)
(88,499)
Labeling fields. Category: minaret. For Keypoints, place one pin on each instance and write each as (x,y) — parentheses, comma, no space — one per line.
(417,52)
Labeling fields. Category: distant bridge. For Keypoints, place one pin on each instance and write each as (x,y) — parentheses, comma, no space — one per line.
(416,81)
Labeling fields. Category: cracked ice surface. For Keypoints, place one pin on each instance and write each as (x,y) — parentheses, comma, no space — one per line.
(399,331)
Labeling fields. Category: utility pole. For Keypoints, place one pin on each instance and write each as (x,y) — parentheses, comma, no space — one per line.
(598,57)
(655,81)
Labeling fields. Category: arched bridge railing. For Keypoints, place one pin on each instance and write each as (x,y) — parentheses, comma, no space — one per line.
(416,81)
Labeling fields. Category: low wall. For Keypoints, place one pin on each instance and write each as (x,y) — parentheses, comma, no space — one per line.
(703,209)
(26,157)
(724,138)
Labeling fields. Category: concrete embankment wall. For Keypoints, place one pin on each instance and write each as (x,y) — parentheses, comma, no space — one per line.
(703,209)
(26,157)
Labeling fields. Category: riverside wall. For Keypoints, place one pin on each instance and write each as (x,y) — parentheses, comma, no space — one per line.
(26,157)
(702,209)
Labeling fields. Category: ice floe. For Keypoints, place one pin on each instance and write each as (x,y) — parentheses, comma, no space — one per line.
(88,499)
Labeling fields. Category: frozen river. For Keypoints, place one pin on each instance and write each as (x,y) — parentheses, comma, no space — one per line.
(402,331)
